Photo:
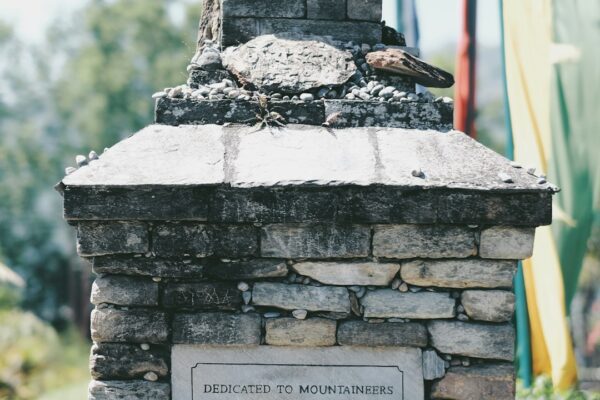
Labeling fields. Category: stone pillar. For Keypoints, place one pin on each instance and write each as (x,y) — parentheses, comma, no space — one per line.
(370,256)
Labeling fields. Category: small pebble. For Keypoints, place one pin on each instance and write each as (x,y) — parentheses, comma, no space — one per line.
(462,317)
(243,286)
(156,278)
(396,284)
(271,314)
(376,90)
(376,320)
(387,92)
(505,177)
(299,314)
(396,320)
(322,92)
(515,164)
(307,97)
(93,155)
(70,170)
(159,95)
(276,96)
(306,281)
(80,160)
(465,362)
(247,308)
(541,181)
(531,170)
(228,82)
(151,376)
(448,100)
(145,346)
(403,288)
(355,289)
(460,309)
(417,173)
(247,296)
(415,289)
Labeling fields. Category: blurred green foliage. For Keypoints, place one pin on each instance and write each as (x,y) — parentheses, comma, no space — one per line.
(542,390)
(86,87)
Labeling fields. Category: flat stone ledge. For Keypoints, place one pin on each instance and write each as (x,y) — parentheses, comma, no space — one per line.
(489,381)
(372,204)
(301,297)
(124,291)
(388,303)
(149,267)
(352,113)
(459,274)
(114,361)
(130,390)
(359,333)
(131,326)
(473,339)
(356,273)
(293,332)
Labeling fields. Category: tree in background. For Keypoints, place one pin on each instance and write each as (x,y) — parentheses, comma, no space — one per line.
(86,87)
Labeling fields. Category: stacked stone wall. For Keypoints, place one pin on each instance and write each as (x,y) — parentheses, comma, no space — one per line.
(444,289)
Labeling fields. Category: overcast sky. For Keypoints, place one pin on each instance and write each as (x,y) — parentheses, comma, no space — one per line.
(439,19)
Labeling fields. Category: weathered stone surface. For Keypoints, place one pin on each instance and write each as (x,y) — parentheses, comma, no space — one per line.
(191,111)
(471,273)
(294,332)
(488,305)
(247,270)
(365,10)
(289,64)
(202,296)
(434,366)
(241,30)
(124,291)
(300,112)
(315,241)
(130,390)
(489,381)
(326,9)
(426,241)
(311,368)
(505,242)
(243,157)
(133,326)
(148,266)
(127,361)
(217,329)
(301,297)
(200,77)
(473,339)
(398,61)
(359,333)
(115,237)
(126,203)
(388,303)
(177,239)
(344,273)
(264,8)
(413,115)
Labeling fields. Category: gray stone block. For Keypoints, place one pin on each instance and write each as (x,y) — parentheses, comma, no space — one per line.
(124,291)
(129,390)
(300,112)
(241,30)
(365,10)
(388,303)
(133,326)
(247,270)
(199,77)
(434,367)
(413,115)
(149,266)
(489,305)
(115,237)
(202,296)
(301,297)
(326,9)
(344,273)
(471,273)
(359,333)
(173,239)
(202,112)
(486,381)
(264,8)
(423,241)
(217,329)
(294,332)
(127,203)
(473,339)
(509,243)
(315,241)
(109,361)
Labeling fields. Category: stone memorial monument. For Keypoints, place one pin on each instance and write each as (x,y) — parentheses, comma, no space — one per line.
(300,224)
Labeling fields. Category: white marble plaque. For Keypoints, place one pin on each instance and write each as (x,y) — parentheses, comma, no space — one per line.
(287,373)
